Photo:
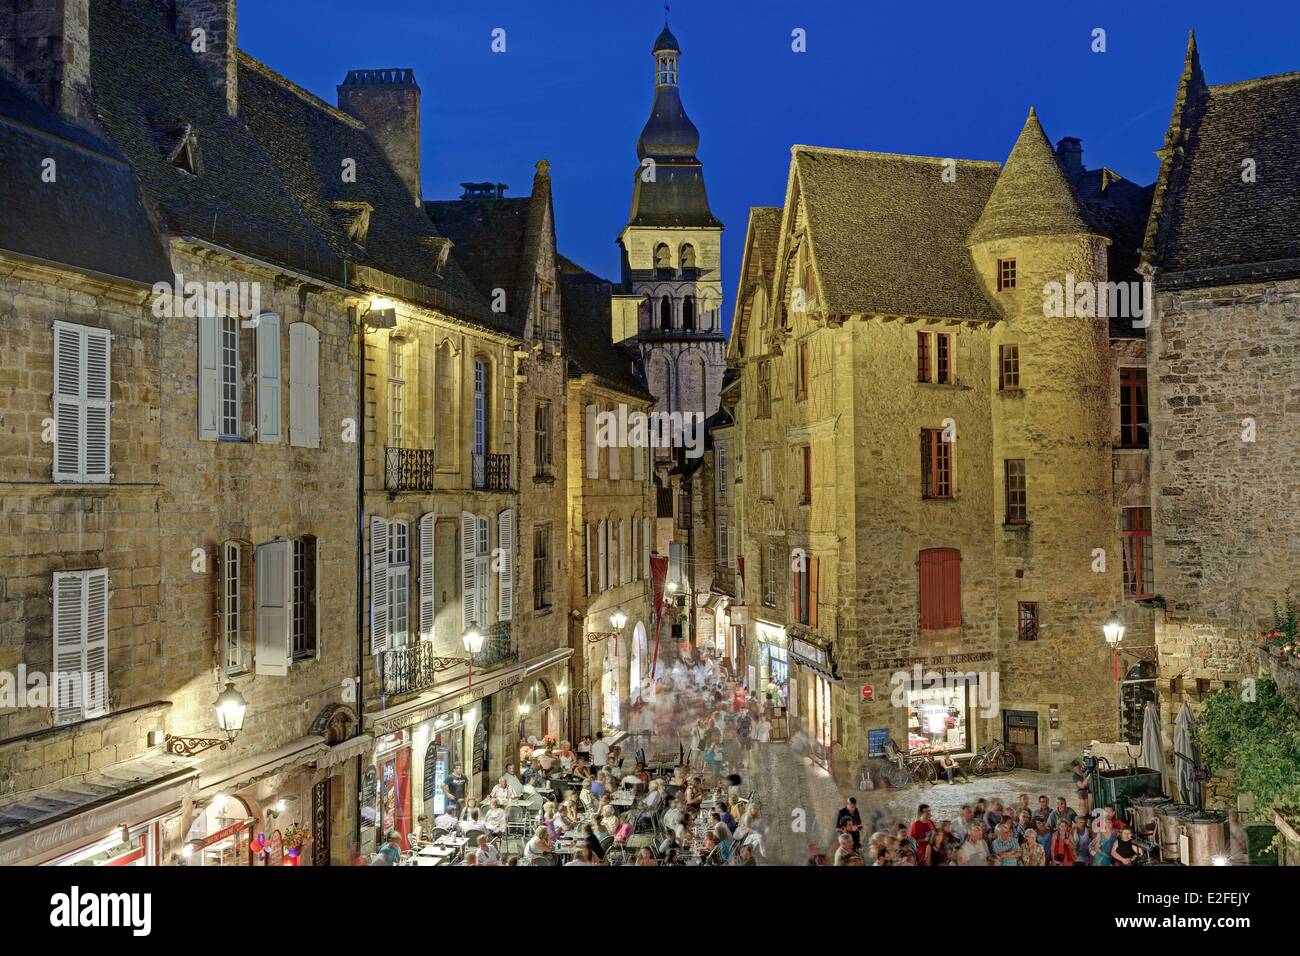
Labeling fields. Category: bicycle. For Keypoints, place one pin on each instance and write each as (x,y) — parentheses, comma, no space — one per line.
(902,770)
(993,758)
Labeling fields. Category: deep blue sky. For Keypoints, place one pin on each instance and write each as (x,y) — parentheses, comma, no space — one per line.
(913,76)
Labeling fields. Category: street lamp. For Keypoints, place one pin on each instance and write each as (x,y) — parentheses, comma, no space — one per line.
(1114,631)
(230,707)
(473,641)
(618,619)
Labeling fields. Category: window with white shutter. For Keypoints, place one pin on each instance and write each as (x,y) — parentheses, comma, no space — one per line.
(378,585)
(304,386)
(82,392)
(615,460)
(506,581)
(268,377)
(469,605)
(645,548)
(634,556)
(638,463)
(232,606)
(721,473)
(228,364)
(484,572)
(623,574)
(593,450)
(602,545)
(765,473)
(399,583)
(588,552)
(80,632)
(273,596)
(427,528)
(210,376)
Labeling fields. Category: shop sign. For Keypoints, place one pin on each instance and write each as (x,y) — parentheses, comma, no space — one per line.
(876,738)
(439,778)
(868,692)
(907,663)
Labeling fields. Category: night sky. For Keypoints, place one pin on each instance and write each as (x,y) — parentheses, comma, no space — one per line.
(934,78)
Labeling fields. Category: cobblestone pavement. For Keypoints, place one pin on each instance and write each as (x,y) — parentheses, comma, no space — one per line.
(784,782)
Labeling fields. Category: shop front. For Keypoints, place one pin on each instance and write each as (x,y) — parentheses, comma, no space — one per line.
(773,678)
(810,683)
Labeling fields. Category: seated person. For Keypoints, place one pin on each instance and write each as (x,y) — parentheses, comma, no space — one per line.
(641,773)
(447,820)
(495,819)
(534,776)
(539,848)
(581,770)
(599,784)
(422,833)
(501,792)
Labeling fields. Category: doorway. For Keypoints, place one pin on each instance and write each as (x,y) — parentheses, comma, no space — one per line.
(1020,731)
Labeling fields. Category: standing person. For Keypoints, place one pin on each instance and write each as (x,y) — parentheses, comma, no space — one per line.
(993,818)
(1105,823)
(961,826)
(1062,814)
(974,852)
(1103,842)
(1031,851)
(454,787)
(845,851)
(1044,809)
(849,820)
(599,751)
(1125,852)
(1082,787)
(1082,836)
(1062,849)
(1005,847)
(920,832)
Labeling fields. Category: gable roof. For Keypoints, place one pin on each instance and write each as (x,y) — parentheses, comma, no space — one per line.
(498,240)
(145,82)
(91,217)
(889,235)
(1031,197)
(585,305)
(308,140)
(762,236)
(1211,226)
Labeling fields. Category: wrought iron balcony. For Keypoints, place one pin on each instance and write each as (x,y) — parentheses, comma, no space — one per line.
(492,472)
(415,666)
(409,469)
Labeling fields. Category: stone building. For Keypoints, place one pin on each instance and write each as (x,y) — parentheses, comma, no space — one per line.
(927,456)
(1223,252)
(617,623)
(243,496)
(672,252)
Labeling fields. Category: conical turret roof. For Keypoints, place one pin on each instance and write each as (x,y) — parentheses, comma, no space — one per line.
(1032,196)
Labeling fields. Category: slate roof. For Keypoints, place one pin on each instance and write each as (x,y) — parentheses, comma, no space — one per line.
(1032,197)
(585,306)
(761,240)
(307,140)
(1215,226)
(145,82)
(497,241)
(676,198)
(665,41)
(91,218)
(889,236)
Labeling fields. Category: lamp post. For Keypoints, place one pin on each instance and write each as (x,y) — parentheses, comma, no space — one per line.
(473,641)
(617,620)
(1114,631)
(230,707)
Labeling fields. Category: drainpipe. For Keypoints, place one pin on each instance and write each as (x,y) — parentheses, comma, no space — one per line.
(358,322)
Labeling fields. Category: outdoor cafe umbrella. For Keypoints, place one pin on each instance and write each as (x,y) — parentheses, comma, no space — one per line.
(1189,787)
(1153,745)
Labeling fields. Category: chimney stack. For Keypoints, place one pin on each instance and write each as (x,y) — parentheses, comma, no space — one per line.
(208,29)
(388,102)
(1069,153)
(45,47)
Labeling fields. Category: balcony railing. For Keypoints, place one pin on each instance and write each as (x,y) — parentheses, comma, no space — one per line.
(409,469)
(416,666)
(492,472)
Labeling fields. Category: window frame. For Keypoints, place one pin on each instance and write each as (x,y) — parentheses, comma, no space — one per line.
(923,357)
(1006,274)
(1015,489)
(1134,408)
(1027,624)
(1009,367)
(945,364)
(396,392)
(543,445)
(938,475)
(1138,554)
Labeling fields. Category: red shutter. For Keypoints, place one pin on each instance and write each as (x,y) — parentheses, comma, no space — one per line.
(812,592)
(940,588)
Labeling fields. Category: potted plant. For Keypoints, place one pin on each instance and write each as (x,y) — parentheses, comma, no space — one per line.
(1283,638)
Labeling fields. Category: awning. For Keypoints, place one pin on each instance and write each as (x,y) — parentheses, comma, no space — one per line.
(813,658)
(217,775)
(342,753)
(41,824)
(456,693)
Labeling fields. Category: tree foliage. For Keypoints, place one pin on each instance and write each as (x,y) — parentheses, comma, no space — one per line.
(1258,739)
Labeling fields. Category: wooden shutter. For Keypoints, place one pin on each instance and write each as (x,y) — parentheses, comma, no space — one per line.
(273,607)
(593,452)
(506,582)
(623,572)
(209,366)
(615,460)
(645,548)
(638,463)
(634,555)
(378,585)
(268,378)
(82,390)
(940,588)
(602,544)
(587,551)
(468,571)
(80,685)
(304,386)
(484,573)
(796,599)
(812,592)
(427,527)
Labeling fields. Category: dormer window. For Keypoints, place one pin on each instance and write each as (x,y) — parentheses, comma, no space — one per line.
(179,143)
(355,219)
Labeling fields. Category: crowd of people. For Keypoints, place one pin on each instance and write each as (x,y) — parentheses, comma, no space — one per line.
(987,833)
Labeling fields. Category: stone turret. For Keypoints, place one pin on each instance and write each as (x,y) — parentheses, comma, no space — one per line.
(1054,417)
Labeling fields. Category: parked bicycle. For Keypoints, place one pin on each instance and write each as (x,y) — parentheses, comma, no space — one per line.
(904,769)
(993,758)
